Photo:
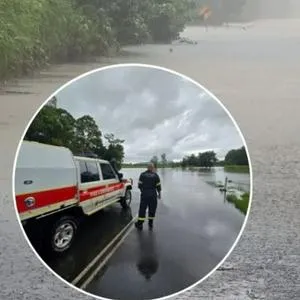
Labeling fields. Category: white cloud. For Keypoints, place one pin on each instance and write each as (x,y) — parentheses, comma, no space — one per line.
(153,110)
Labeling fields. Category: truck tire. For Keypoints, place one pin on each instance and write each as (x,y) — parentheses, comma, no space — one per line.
(62,234)
(126,200)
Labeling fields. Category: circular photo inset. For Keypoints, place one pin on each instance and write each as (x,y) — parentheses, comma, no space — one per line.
(132,182)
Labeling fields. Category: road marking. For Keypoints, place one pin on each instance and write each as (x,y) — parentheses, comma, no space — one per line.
(98,257)
(106,259)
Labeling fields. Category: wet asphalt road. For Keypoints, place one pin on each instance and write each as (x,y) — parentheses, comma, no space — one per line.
(93,235)
(194,229)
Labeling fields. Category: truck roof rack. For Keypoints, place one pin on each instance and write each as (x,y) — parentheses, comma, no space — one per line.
(88,154)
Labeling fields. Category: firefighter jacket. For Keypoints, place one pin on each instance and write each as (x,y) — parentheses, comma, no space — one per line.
(149,184)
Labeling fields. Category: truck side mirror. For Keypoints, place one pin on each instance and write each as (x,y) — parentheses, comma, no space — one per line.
(120,175)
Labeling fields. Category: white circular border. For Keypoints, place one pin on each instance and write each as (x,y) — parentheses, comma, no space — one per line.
(157,68)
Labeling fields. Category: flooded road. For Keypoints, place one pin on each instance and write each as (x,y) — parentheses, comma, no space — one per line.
(194,230)
(256,74)
(95,233)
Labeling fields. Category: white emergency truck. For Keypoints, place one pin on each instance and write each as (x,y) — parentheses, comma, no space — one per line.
(54,189)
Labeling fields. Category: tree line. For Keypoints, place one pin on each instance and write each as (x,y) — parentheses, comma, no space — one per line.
(207,159)
(56,126)
(36,32)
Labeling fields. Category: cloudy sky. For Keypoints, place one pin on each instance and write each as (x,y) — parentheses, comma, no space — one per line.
(154,111)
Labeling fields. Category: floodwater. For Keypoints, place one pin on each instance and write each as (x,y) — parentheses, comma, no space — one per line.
(181,184)
(195,228)
(256,74)
(236,181)
(93,235)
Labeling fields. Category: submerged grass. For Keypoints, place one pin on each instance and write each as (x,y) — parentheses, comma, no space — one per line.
(241,203)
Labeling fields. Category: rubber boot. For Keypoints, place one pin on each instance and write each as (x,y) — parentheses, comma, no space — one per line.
(139,225)
(150,224)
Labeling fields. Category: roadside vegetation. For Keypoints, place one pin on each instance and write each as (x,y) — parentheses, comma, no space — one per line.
(34,33)
(241,203)
(56,126)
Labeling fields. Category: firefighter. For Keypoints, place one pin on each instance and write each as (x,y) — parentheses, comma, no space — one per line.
(150,187)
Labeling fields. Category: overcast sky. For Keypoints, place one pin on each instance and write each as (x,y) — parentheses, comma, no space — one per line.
(154,111)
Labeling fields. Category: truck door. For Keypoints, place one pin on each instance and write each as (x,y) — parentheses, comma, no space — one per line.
(92,188)
(113,186)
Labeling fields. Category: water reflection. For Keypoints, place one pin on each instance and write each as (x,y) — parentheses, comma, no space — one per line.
(162,173)
(147,263)
(96,231)
(126,215)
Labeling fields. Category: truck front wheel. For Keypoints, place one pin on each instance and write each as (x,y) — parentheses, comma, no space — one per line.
(126,200)
(63,233)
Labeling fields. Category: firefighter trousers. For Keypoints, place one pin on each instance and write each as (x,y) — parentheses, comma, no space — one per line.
(149,203)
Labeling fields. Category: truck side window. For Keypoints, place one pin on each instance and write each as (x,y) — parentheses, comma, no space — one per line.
(88,171)
(83,172)
(107,172)
(93,171)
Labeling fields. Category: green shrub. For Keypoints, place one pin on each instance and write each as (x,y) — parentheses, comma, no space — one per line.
(34,33)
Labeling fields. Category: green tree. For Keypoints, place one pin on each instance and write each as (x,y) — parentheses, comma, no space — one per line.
(115,150)
(184,163)
(154,160)
(56,126)
(193,160)
(168,19)
(36,32)
(164,160)
(110,137)
(207,159)
(52,126)
(87,136)
(237,157)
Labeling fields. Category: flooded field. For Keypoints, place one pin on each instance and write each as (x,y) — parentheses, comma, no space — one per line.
(256,75)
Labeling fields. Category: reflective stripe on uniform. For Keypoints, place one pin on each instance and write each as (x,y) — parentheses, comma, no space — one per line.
(151,218)
(141,219)
(158,184)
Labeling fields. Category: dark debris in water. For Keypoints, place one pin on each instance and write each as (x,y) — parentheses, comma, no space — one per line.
(222,269)
(188,41)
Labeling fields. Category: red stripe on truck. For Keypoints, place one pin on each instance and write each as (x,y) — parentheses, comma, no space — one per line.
(54,196)
(45,198)
(100,191)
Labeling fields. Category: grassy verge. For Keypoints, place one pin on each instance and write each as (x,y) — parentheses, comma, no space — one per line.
(241,203)
(237,169)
